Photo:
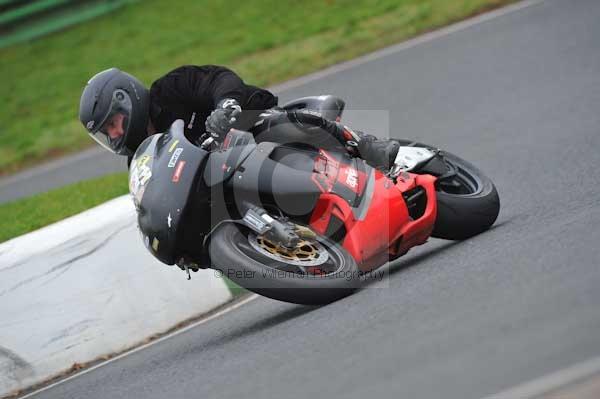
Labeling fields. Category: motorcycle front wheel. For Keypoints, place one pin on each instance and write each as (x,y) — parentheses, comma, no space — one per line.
(316,272)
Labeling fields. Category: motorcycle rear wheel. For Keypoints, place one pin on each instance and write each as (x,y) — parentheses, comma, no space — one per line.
(467,203)
(469,208)
(233,252)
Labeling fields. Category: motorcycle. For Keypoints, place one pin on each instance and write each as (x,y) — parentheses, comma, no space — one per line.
(296,219)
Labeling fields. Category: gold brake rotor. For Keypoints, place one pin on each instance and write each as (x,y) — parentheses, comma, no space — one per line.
(307,252)
(303,251)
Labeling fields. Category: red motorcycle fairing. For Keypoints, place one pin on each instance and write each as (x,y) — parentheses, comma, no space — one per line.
(367,210)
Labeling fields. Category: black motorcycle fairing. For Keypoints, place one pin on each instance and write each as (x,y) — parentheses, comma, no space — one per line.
(172,179)
(222,163)
(162,178)
(297,157)
(263,180)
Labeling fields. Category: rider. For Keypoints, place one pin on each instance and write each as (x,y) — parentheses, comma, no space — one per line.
(119,112)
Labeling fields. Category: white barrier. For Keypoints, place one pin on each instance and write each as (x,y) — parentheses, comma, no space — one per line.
(85,287)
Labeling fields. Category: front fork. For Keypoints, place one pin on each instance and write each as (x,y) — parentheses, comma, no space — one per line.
(282,233)
(279,232)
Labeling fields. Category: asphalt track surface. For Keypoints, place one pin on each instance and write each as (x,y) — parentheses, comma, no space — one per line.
(519,96)
(91,163)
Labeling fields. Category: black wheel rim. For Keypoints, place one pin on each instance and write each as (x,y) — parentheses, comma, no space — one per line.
(462,182)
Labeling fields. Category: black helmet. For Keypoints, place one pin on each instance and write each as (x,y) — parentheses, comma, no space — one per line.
(107,94)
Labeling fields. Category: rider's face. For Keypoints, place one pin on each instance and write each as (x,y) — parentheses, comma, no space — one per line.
(114,126)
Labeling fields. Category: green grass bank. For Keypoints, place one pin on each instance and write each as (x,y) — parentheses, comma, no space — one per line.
(265,41)
(28,214)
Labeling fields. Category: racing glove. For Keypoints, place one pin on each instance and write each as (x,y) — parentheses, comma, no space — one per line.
(220,121)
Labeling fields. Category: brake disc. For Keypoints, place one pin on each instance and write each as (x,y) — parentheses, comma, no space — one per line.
(306,253)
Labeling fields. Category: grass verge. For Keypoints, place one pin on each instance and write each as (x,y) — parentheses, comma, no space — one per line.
(22,216)
(235,289)
(266,41)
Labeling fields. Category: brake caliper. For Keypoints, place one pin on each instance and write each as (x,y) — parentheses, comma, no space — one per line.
(279,232)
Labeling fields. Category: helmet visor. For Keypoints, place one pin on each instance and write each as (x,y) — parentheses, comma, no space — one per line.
(112,131)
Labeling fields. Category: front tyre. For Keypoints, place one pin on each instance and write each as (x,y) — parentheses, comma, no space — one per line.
(315,273)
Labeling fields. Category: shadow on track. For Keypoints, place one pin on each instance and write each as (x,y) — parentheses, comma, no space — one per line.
(258,326)
(294,311)
(404,263)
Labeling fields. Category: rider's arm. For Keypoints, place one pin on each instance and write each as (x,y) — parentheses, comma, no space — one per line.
(198,87)
(226,84)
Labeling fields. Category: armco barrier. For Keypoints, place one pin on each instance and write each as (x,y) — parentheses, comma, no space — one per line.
(85,287)
(22,20)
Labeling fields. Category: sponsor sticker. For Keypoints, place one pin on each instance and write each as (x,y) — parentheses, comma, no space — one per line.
(139,176)
(172,147)
(351,178)
(178,171)
(175,157)
(143,160)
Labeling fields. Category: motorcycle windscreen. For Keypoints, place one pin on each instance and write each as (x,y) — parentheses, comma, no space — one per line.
(162,176)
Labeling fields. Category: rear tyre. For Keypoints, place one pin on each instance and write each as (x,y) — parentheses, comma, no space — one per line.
(234,252)
(468,207)
(467,203)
